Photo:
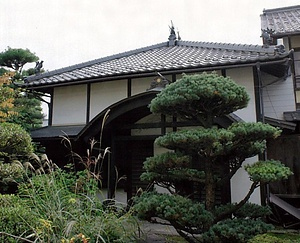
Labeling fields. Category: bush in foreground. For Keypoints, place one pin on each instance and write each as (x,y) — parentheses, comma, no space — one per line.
(56,212)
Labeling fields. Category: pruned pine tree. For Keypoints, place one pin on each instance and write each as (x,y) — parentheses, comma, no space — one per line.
(194,155)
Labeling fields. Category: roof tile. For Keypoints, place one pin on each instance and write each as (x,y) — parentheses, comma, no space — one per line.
(283,21)
(183,55)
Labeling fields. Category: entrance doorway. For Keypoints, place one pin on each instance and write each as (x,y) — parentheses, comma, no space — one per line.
(129,160)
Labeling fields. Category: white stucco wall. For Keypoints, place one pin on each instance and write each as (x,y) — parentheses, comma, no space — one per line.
(244,77)
(105,94)
(278,96)
(240,185)
(69,105)
(240,182)
(140,85)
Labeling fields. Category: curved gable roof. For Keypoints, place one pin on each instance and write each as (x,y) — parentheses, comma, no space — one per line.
(163,57)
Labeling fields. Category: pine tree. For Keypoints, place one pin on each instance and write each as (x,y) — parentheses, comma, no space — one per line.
(20,107)
(195,154)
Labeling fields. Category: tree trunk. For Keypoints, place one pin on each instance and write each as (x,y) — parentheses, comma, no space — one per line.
(209,187)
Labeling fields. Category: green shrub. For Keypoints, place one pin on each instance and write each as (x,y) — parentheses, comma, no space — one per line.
(236,230)
(253,211)
(11,174)
(16,219)
(14,140)
(276,238)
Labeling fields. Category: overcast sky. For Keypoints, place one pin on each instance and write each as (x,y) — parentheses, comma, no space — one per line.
(67,32)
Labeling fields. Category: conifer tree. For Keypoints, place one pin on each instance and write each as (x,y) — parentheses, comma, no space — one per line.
(23,108)
(194,155)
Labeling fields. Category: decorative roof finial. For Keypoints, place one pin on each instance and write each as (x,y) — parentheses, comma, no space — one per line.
(38,67)
(267,37)
(159,83)
(172,36)
(178,36)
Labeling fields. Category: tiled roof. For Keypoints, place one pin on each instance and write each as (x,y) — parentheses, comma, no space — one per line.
(54,132)
(162,57)
(284,21)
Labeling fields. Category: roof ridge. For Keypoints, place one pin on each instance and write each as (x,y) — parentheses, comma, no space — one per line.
(280,9)
(95,61)
(228,46)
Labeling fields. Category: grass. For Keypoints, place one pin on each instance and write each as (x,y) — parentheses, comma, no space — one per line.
(286,235)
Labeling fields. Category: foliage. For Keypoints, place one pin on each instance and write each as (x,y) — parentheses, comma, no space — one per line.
(28,111)
(176,209)
(15,219)
(267,171)
(11,174)
(68,209)
(198,158)
(248,210)
(200,97)
(235,230)
(16,105)
(14,140)
(7,95)
(15,146)
(16,58)
(2,71)
(276,238)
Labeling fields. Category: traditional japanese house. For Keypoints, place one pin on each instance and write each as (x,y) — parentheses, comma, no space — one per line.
(125,83)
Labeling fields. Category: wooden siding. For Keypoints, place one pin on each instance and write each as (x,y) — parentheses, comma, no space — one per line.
(278,96)
(286,149)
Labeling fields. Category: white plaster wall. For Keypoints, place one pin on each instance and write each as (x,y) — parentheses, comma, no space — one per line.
(69,105)
(240,182)
(240,185)
(244,77)
(278,97)
(140,85)
(105,94)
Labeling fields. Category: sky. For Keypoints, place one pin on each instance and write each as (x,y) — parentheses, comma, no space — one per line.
(67,32)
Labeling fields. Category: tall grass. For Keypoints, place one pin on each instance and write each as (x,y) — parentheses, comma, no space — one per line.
(64,205)
(66,213)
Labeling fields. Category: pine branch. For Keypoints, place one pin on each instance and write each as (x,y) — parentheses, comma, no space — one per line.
(236,207)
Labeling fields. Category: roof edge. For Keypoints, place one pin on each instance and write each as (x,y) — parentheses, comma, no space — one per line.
(280,9)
